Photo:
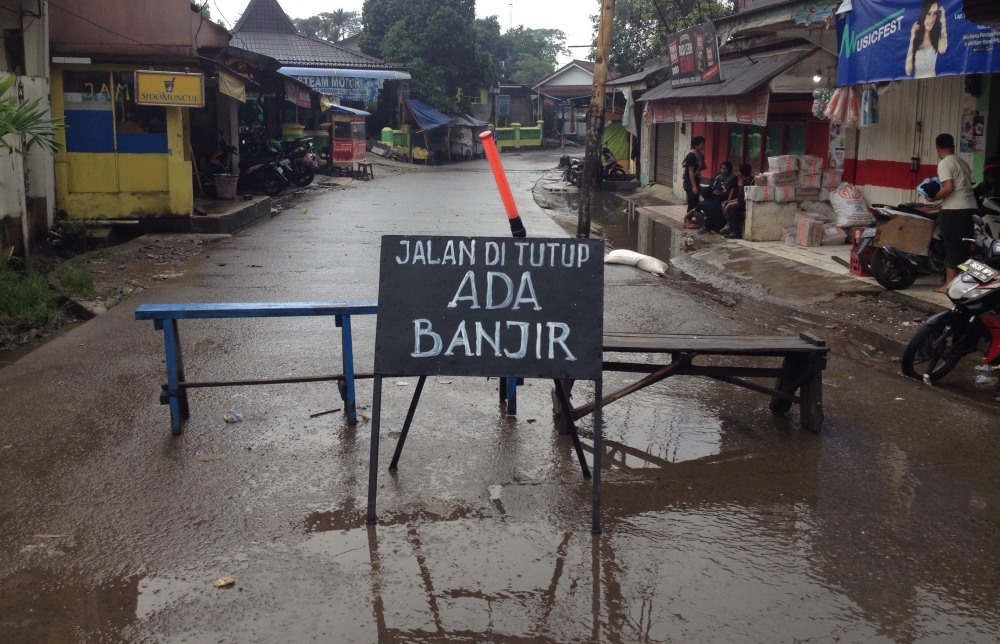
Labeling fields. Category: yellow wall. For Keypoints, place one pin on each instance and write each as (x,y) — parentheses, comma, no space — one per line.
(124,186)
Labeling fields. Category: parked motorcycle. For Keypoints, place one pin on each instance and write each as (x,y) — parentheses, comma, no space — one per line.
(892,267)
(574,170)
(612,170)
(262,173)
(301,160)
(972,325)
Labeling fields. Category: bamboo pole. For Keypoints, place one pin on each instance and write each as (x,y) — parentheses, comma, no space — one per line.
(595,120)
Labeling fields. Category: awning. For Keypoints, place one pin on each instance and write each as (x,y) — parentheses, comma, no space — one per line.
(639,77)
(740,76)
(232,86)
(426,116)
(379,74)
(343,109)
(468,121)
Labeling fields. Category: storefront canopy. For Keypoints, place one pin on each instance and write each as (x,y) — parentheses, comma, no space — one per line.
(740,76)
(426,116)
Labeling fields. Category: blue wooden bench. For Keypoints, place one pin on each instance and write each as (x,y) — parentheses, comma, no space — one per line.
(165,317)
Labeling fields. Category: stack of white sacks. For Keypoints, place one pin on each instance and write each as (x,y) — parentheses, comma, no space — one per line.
(792,177)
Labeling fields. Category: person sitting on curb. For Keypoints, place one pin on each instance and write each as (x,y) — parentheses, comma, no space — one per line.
(735,209)
(708,216)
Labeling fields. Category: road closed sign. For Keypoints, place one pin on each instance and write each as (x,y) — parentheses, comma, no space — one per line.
(480,306)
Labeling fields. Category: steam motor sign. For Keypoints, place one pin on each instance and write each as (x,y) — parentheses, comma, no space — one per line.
(480,306)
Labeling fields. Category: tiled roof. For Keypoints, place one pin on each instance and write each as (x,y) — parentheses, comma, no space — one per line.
(304,51)
(264,28)
(265,16)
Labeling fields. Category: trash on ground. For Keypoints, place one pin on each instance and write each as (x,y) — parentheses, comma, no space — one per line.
(444,382)
(984,381)
(233,416)
(402,383)
(225,582)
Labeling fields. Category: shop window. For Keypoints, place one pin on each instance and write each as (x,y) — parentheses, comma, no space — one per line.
(102,117)
(342,130)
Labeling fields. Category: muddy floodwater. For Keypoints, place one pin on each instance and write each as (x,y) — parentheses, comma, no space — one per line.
(721,521)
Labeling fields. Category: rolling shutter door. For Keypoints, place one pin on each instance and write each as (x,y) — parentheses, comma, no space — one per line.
(664,163)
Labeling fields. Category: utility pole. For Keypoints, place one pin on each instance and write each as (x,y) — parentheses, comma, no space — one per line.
(595,120)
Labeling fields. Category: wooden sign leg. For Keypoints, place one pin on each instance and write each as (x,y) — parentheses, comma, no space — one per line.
(373,455)
(406,424)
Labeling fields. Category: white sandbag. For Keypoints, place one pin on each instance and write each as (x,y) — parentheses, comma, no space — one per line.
(623,256)
(784,194)
(790,235)
(831,180)
(810,181)
(783,163)
(789,177)
(640,261)
(651,265)
(810,164)
(849,206)
(833,235)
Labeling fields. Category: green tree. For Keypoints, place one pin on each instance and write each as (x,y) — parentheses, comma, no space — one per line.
(641,27)
(332,26)
(24,119)
(529,55)
(438,42)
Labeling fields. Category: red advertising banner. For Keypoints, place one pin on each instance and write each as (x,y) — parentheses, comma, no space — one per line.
(694,56)
(748,109)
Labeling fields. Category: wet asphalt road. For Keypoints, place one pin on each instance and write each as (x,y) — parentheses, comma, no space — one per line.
(721,521)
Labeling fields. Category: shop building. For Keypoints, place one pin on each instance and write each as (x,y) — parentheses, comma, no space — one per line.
(342,75)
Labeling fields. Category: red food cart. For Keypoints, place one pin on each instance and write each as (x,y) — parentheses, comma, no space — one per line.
(348,143)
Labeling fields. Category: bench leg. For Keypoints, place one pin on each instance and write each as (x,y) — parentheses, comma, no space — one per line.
(176,397)
(350,406)
(791,372)
(511,395)
(811,397)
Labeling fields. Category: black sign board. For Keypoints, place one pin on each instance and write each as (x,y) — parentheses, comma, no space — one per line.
(694,56)
(482,306)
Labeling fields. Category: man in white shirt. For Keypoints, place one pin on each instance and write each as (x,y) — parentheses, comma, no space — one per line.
(958,204)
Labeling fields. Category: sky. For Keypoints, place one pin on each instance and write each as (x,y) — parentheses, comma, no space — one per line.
(571,16)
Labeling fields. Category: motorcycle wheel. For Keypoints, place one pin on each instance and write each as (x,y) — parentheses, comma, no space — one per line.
(893,274)
(303,177)
(272,184)
(618,174)
(932,352)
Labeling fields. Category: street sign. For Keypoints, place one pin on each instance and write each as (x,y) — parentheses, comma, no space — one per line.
(480,306)
(503,104)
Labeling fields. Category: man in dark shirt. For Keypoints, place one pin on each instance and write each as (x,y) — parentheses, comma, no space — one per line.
(692,167)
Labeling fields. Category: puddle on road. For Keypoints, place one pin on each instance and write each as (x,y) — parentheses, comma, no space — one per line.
(631,227)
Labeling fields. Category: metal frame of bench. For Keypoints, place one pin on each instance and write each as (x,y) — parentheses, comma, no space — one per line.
(803,361)
(174,393)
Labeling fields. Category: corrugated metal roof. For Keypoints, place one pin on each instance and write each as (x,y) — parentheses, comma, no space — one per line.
(741,75)
(638,77)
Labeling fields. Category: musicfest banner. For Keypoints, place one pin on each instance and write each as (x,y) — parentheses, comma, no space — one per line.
(747,109)
(882,40)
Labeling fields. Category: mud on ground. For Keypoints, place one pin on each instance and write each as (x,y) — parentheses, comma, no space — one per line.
(123,269)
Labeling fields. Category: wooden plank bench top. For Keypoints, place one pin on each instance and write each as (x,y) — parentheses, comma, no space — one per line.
(207,310)
(712,344)
(799,378)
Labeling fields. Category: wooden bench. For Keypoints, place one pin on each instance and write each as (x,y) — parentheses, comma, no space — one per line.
(799,378)
(166,316)
(365,170)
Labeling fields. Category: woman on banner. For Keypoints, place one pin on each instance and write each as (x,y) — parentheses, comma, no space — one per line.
(928,38)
